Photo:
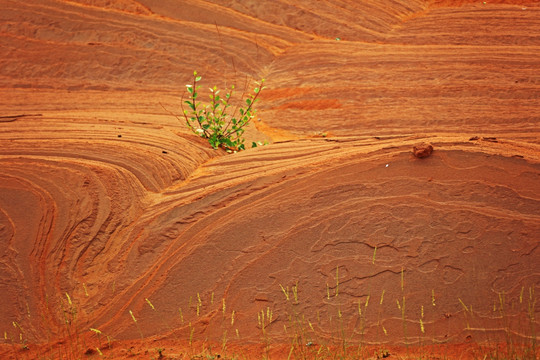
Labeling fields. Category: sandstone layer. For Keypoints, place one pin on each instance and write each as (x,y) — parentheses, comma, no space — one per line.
(110,206)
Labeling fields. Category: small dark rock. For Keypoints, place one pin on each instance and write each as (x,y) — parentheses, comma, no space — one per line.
(422,150)
(164,152)
(119,135)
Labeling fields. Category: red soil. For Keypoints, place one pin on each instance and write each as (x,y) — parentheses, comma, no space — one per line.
(109,205)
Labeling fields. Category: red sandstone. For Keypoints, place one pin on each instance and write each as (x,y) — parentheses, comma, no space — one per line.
(107,201)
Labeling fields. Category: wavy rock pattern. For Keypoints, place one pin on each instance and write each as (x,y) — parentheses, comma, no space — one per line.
(105,197)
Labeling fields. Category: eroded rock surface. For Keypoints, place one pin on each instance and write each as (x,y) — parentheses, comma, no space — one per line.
(108,201)
(422,150)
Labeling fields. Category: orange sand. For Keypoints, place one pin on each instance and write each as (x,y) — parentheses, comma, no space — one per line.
(107,201)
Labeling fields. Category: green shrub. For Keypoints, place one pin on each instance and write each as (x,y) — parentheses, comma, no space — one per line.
(215,121)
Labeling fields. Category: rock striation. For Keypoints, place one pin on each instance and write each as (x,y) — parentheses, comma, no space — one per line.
(109,203)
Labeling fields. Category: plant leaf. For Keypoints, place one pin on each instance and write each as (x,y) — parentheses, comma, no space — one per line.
(190,104)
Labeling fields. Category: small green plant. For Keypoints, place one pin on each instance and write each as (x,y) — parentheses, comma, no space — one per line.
(264,320)
(136,323)
(215,121)
(70,314)
(382,354)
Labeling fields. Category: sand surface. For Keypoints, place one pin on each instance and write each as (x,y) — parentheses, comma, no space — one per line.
(108,204)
